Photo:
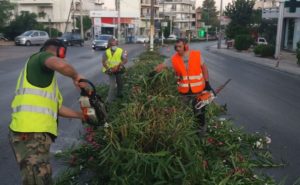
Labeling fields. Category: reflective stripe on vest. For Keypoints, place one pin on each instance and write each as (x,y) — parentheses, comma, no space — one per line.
(197,77)
(190,77)
(191,84)
(37,92)
(29,108)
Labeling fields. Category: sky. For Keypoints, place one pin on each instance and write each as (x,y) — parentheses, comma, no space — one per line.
(110,3)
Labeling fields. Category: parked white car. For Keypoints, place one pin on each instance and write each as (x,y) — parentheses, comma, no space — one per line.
(261,40)
(32,37)
(172,37)
(141,39)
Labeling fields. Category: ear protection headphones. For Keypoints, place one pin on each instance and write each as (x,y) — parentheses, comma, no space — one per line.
(61,48)
(185,44)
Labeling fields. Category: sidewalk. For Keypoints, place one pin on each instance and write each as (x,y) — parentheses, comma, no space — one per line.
(6,43)
(287,62)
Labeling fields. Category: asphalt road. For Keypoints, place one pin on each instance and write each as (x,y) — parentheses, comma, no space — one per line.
(258,98)
(263,100)
(12,59)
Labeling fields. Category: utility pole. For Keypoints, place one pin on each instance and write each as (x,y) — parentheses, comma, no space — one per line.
(74,20)
(161,25)
(189,36)
(220,33)
(68,16)
(49,19)
(119,21)
(152,26)
(279,29)
(81,21)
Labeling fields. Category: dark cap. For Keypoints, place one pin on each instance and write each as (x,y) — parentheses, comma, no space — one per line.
(52,42)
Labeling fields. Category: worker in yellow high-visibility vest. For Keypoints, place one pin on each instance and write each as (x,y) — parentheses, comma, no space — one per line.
(113,62)
(36,107)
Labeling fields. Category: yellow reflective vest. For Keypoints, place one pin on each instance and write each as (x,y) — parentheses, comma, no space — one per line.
(35,109)
(113,59)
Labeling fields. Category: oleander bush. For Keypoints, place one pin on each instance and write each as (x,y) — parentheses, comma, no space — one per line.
(151,138)
(243,42)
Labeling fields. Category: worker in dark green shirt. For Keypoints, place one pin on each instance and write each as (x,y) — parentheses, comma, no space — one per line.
(35,110)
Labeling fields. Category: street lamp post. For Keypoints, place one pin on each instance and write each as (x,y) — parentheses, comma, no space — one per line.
(49,20)
(81,21)
(279,29)
(220,34)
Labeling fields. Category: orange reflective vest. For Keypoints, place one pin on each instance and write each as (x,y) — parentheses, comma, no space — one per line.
(190,77)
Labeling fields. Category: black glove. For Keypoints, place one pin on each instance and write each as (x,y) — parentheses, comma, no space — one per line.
(122,69)
(109,72)
(152,74)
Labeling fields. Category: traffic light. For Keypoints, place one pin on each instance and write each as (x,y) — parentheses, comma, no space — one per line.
(201,33)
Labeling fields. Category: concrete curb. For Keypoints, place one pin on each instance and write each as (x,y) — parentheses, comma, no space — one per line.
(284,64)
(7,43)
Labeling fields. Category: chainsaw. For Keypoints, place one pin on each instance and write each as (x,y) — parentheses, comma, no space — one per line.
(206,97)
(92,106)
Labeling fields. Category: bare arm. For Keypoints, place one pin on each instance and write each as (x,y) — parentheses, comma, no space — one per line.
(69,113)
(205,72)
(59,65)
(124,58)
(104,61)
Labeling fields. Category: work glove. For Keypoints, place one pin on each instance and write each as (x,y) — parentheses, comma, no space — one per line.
(115,69)
(121,68)
(109,72)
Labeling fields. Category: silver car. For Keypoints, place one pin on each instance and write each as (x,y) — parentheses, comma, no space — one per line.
(101,42)
(32,37)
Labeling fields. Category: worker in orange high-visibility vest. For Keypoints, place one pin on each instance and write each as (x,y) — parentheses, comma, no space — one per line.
(192,76)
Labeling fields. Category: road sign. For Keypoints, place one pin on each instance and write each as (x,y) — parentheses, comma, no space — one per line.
(164,24)
(201,32)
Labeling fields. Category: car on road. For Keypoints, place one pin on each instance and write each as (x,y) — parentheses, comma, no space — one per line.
(261,40)
(101,41)
(141,39)
(172,37)
(32,37)
(71,39)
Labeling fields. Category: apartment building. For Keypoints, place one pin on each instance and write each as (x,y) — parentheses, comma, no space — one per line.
(199,23)
(261,4)
(182,16)
(145,17)
(57,13)
(291,21)
(106,21)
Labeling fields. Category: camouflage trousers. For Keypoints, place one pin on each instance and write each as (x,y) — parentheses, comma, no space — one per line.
(32,154)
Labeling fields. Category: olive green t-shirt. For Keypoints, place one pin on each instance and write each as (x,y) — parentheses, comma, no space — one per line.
(37,73)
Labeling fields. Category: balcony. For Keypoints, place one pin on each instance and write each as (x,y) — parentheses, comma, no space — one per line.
(148,16)
(268,13)
(35,2)
(148,3)
(179,1)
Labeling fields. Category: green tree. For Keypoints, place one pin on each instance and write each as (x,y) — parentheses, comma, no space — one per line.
(5,13)
(240,12)
(87,22)
(165,29)
(23,22)
(210,13)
